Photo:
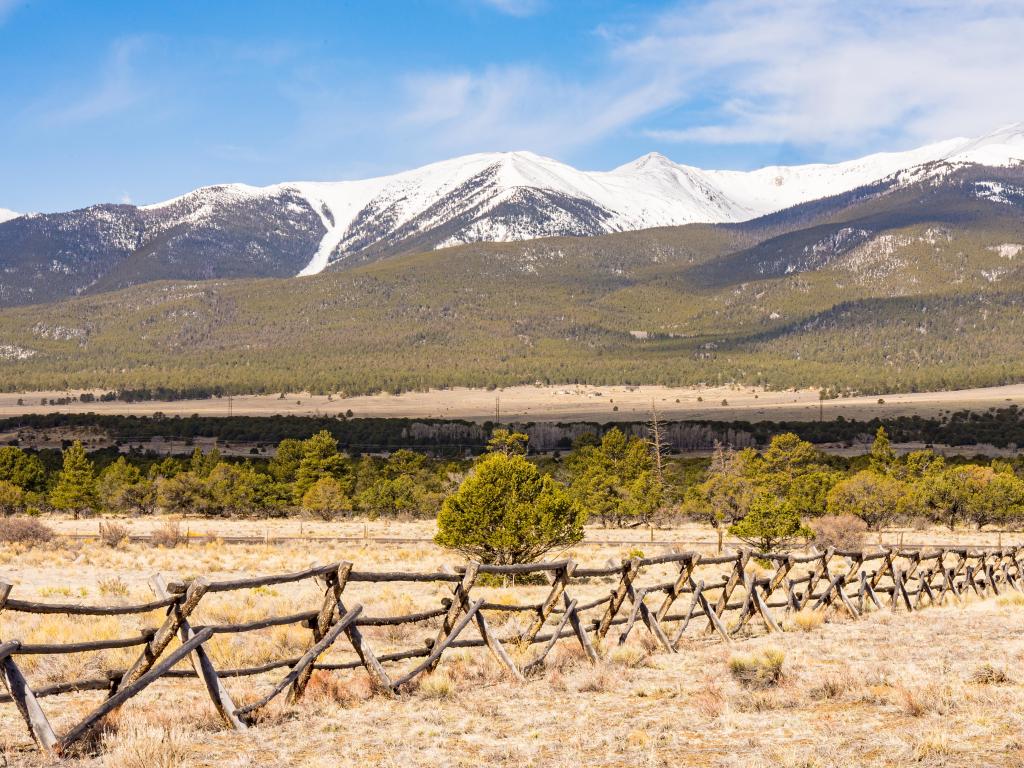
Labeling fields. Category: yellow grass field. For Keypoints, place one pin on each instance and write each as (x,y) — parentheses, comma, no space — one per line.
(941,686)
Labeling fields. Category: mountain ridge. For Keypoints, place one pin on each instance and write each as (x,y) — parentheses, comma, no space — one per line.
(304,228)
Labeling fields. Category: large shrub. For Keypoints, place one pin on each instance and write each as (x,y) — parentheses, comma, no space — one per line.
(771,525)
(506,512)
(872,497)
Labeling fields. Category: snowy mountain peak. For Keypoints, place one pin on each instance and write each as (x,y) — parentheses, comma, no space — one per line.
(518,195)
(7,215)
(305,227)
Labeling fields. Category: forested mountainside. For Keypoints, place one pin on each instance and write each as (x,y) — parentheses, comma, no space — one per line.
(911,284)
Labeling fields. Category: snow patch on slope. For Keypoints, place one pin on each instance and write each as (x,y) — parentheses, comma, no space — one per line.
(7,215)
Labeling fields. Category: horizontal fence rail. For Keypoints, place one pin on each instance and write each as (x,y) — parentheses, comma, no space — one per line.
(671,596)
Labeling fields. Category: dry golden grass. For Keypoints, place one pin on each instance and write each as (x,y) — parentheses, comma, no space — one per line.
(807,619)
(934,688)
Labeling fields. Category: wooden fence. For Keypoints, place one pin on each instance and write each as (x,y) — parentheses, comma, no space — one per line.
(723,597)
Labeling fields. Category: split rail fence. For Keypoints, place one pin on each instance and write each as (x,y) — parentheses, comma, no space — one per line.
(670,596)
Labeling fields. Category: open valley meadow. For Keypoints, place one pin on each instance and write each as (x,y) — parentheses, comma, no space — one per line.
(892,687)
(548,403)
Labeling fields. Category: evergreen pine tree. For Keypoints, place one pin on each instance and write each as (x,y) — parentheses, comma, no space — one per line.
(76,485)
(882,454)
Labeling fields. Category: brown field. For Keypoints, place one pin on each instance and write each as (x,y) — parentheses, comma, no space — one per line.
(886,690)
(555,403)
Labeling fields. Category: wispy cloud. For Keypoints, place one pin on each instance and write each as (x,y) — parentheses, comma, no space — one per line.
(118,88)
(838,73)
(808,73)
(524,107)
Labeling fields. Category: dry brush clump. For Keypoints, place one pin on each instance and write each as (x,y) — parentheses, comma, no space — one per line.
(113,534)
(989,674)
(846,532)
(25,530)
(167,535)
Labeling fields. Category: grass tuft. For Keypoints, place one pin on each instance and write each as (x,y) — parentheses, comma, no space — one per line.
(758,670)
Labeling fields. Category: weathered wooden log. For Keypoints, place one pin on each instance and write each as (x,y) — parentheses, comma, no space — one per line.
(629,570)
(459,595)
(735,578)
(518,569)
(176,614)
(28,606)
(562,577)
(685,618)
(203,665)
(438,647)
(85,646)
(762,609)
(336,583)
(28,706)
(310,573)
(18,688)
(495,645)
(8,648)
(819,572)
(686,567)
(366,655)
(579,630)
(785,564)
(126,692)
(72,686)
(555,636)
(672,557)
(306,660)
(885,568)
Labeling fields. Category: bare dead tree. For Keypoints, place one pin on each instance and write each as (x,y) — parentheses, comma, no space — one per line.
(656,439)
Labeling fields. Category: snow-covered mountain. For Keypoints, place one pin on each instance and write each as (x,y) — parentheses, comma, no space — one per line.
(7,215)
(521,195)
(302,228)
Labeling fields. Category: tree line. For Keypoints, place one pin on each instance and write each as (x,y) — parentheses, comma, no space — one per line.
(770,498)
(1001,427)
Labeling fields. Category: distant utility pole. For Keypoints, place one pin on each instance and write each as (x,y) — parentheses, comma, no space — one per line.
(821,405)
(231,405)
(497,410)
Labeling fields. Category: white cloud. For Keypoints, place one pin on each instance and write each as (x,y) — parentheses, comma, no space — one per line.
(838,73)
(822,73)
(832,77)
(524,107)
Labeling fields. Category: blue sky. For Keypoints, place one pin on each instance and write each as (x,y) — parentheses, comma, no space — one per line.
(140,101)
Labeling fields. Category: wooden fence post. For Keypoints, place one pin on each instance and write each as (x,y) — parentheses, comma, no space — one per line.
(24,699)
(202,664)
(685,571)
(557,588)
(630,568)
(459,597)
(176,614)
(735,578)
